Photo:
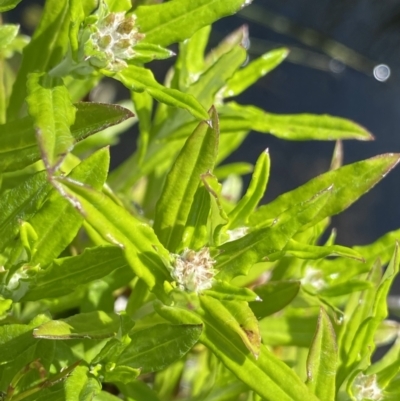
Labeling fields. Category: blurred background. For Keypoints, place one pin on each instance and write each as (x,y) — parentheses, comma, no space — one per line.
(344,60)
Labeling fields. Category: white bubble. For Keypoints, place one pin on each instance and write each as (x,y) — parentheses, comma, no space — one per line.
(382,72)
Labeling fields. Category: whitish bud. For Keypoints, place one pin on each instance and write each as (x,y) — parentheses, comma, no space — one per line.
(193,271)
(365,387)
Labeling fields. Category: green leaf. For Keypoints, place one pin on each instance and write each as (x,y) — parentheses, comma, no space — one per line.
(195,234)
(50,106)
(274,297)
(190,60)
(322,360)
(228,292)
(240,214)
(141,79)
(241,320)
(172,22)
(64,275)
(248,75)
(349,183)
(239,168)
(305,251)
(268,375)
(205,90)
(16,338)
(288,330)
(20,203)
(18,144)
(157,347)
(143,251)
(146,52)
(363,342)
(6,5)
(197,157)
(47,47)
(236,257)
(8,33)
(297,127)
(93,325)
(81,385)
(57,222)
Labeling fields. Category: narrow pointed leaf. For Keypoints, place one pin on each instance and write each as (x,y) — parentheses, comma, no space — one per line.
(248,75)
(57,222)
(6,5)
(197,157)
(51,38)
(20,203)
(274,297)
(228,292)
(297,127)
(349,183)
(51,108)
(239,215)
(322,360)
(141,79)
(18,144)
(363,342)
(195,234)
(143,251)
(172,22)
(155,348)
(238,256)
(93,325)
(64,275)
(268,376)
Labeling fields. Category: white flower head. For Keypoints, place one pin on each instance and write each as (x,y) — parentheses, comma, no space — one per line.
(366,387)
(314,278)
(110,38)
(193,271)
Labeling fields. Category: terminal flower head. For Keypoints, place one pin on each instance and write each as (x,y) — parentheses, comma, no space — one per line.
(193,271)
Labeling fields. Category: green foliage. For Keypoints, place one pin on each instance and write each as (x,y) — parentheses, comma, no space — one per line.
(159,280)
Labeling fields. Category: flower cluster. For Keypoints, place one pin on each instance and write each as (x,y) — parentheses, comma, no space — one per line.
(193,271)
(111,41)
(366,387)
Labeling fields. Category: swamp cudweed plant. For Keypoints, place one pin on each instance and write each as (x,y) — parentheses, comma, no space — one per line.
(158,281)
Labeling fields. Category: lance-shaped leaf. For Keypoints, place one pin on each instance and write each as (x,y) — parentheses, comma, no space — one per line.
(248,75)
(143,251)
(322,360)
(363,342)
(349,183)
(57,222)
(6,5)
(239,215)
(18,144)
(305,251)
(20,203)
(228,292)
(16,338)
(141,79)
(195,234)
(146,52)
(296,127)
(288,330)
(274,296)
(80,385)
(93,325)
(205,89)
(47,47)
(50,106)
(242,320)
(64,275)
(197,157)
(268,375)
(168,23)
(238,256)
(157,347)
